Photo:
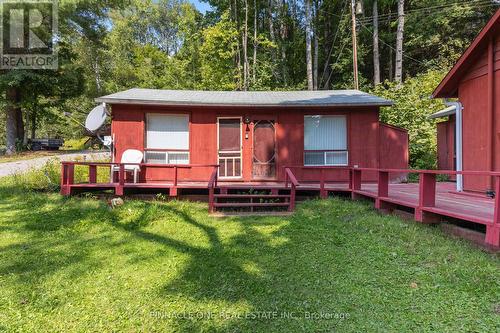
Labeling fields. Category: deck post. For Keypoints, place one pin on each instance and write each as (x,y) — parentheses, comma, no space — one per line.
(216,175)
(383,184)
(427,197)
(64,177)
(121,180)
(322,191)
(291,207)
(173,191)
(356,180)
(383,189)
(92,173)
(175,176)
(355,183)
(71,176)
(493,230)
(210,199)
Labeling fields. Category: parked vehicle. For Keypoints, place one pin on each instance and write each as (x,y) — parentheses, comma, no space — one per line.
(46,144)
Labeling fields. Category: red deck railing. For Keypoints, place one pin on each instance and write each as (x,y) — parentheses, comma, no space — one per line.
(290,179)
(68,173)
(212,184)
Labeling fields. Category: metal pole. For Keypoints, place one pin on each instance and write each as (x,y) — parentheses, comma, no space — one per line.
(458,142)
(354,44)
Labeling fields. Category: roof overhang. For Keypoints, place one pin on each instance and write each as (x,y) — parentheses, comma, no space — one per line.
(448,88)
(449,111)
(248,99)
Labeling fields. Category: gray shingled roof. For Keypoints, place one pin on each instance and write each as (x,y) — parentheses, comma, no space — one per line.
(245,98)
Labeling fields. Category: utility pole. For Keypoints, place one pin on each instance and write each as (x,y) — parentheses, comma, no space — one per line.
(354,44)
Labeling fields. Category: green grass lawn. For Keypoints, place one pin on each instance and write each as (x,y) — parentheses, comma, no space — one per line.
(74,265)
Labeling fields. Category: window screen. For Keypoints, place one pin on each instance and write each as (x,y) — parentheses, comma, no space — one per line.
(325,140)
(167,131)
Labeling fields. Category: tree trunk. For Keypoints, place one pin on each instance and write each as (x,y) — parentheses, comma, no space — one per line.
(97,73)
(398,77)
(272,36)
(316,46)
(33,124)
(328,48)
(245,49)
(238,50)
(271,21)
(391,52)
(376,52)
(11,120)
(20,126)
(315,63)
(255,44)
(283,36)
(309,67)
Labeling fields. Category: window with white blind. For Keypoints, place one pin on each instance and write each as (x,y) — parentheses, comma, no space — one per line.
(325,141)
(167,139)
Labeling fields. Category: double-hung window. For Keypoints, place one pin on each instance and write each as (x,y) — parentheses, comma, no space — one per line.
(167,139)
(325,141)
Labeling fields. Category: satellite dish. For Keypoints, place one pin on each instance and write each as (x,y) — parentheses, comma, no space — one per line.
(96,118)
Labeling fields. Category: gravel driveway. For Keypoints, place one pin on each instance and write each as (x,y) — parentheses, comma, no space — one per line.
(10,168)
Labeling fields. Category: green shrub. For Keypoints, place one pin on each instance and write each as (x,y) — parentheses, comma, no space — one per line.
(75,144)
(411,110)
(48,177)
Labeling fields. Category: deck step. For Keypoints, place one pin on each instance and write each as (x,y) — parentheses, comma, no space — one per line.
(244,196)
(251,204)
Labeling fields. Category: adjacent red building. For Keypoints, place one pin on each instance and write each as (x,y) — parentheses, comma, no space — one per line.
(254,135)
(470,137)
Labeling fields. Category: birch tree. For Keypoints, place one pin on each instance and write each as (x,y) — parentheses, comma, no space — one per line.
(255,42)
(376,51)
(245,48)
(309,65)
(398,76)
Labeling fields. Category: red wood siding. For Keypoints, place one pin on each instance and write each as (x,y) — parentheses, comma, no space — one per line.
(394,153)
(478,92)
(364,138)
(446,145)
(128,127)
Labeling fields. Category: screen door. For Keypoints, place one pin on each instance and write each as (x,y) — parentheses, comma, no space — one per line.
(229,146)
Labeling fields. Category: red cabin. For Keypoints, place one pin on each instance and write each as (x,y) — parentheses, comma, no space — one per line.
(252,136)
(469,138)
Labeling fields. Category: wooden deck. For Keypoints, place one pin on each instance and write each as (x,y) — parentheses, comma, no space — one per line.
(468,207)
(430,201)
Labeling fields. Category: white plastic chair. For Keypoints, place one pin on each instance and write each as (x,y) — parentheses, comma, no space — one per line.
(131,156)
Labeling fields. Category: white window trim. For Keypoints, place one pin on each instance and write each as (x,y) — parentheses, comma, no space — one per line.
(324,158)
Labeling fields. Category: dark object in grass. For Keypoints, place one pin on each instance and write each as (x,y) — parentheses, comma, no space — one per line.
(47,144)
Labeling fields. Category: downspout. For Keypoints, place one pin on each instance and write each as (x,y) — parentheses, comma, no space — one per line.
(459,142)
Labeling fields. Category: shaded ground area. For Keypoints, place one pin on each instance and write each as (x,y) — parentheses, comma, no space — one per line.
(75,265)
